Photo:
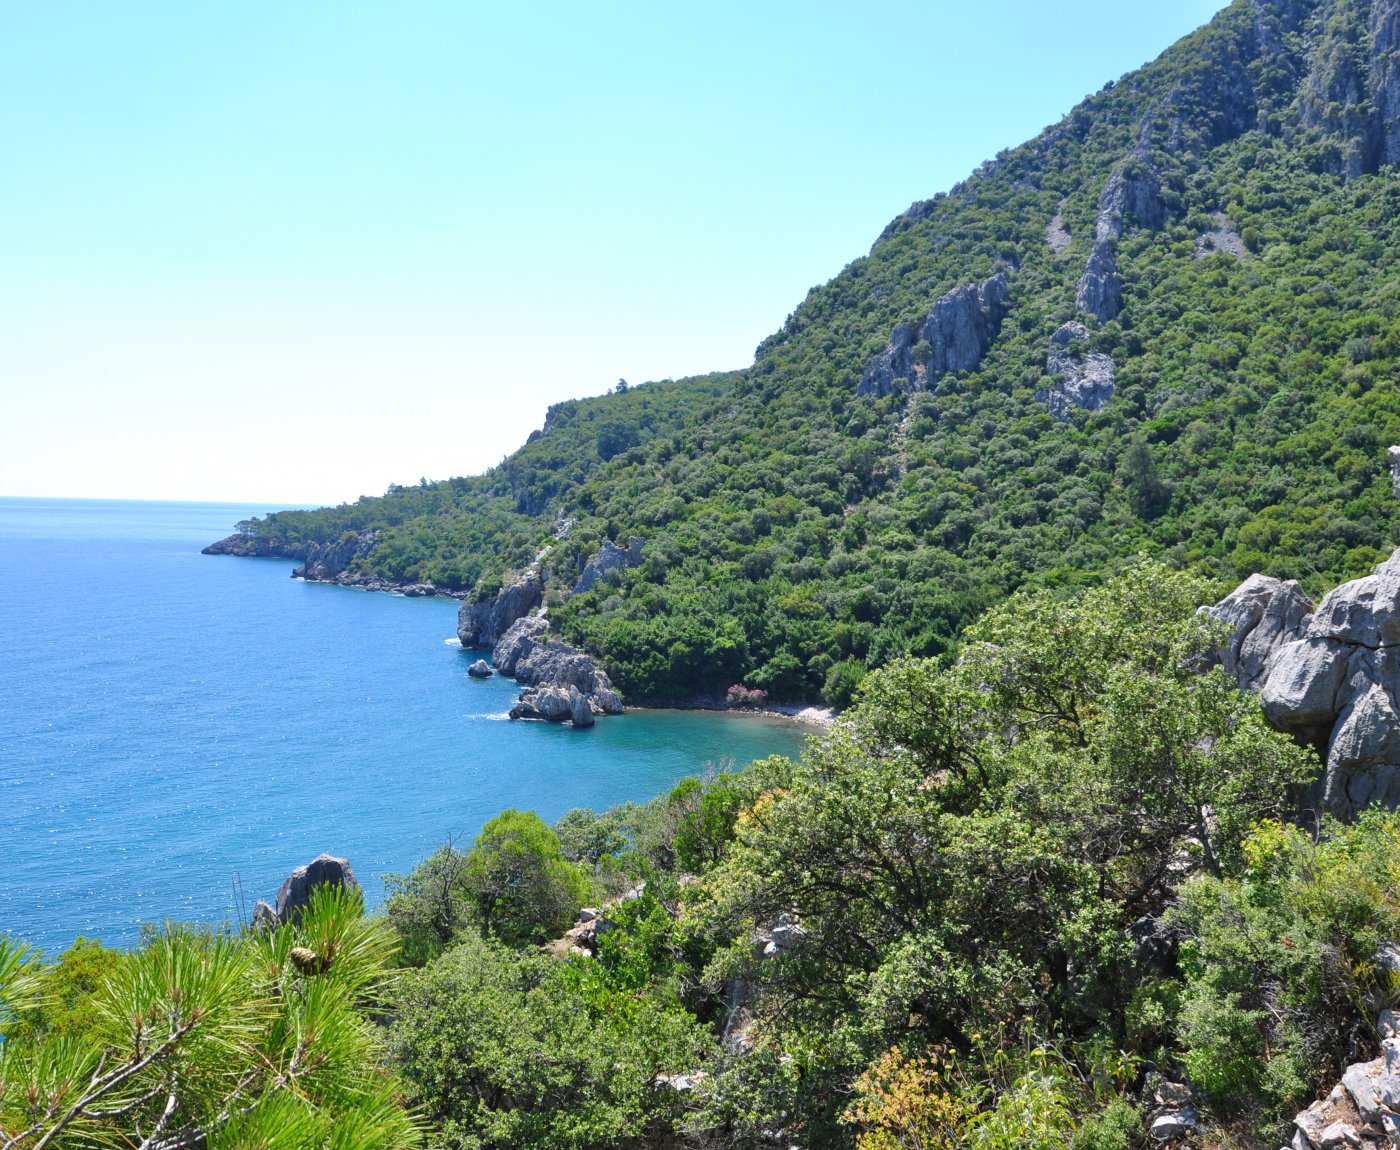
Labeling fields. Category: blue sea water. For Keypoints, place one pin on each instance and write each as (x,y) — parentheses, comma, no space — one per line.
(173,723)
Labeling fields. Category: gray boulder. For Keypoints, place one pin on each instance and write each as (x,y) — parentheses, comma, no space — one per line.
(1083,378)
(959,331)
(1371,1087)
(264,915)
(481,623)
(1329,676)
(1259,617)
(295,894)
(481,669)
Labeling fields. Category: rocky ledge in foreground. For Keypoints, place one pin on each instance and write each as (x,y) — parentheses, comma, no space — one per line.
(1329,676)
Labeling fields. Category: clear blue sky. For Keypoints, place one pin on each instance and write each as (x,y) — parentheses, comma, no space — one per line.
(293,252)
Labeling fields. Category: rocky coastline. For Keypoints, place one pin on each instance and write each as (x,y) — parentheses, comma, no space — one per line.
(327,563)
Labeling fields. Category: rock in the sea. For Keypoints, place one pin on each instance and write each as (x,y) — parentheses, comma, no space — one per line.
(958,332)
(580,712)
(481,669)
(480,624)
(553,674)
(295,894)
(609,557)
(1085,378)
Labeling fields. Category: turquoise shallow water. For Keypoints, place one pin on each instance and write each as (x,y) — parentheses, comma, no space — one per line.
(171,722)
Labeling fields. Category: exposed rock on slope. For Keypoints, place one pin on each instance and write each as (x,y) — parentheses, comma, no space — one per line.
(1352,91)
(1086,377)
(610,557)
(1330,679)
(480,624)
(959,331)
(1133,193)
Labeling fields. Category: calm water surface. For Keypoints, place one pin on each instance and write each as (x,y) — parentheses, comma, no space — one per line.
(172,722)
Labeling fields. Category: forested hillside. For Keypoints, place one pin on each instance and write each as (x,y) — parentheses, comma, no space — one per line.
(1189,350)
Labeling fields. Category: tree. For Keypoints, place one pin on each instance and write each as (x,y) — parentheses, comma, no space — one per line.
(431,904)
(524,888)
(261,1039)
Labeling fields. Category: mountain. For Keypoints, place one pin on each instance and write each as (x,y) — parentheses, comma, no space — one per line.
(1168,325)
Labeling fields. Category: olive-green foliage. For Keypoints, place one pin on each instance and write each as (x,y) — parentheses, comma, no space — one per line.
(515,883)
(971,844)
(64,1004)
(1278,972)
(516,1049)
(798,535)
(429,905)
(194,1039)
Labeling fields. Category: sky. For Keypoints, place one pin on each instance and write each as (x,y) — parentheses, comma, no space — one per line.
(292,253)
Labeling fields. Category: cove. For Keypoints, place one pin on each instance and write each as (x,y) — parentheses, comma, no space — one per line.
(174,723)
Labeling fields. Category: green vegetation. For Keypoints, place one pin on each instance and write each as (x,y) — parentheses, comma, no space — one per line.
(202,1040)
(1042,860)
(973,915)
(968,868)
(799,535)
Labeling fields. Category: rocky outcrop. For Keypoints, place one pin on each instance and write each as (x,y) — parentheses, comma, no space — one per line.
(481,669)
(518,640)
(1331,679)
(554,673)
(1084,378)
(958,333)
(1261,615)
(609,557)
(1359,1112)
(295,894)
(254,547)
(1350,98)
(1393,459)
(1133,194)
(562,683)
(481,623)
(325,561)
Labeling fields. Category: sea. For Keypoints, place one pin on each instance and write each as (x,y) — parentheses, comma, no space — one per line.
(178,731)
